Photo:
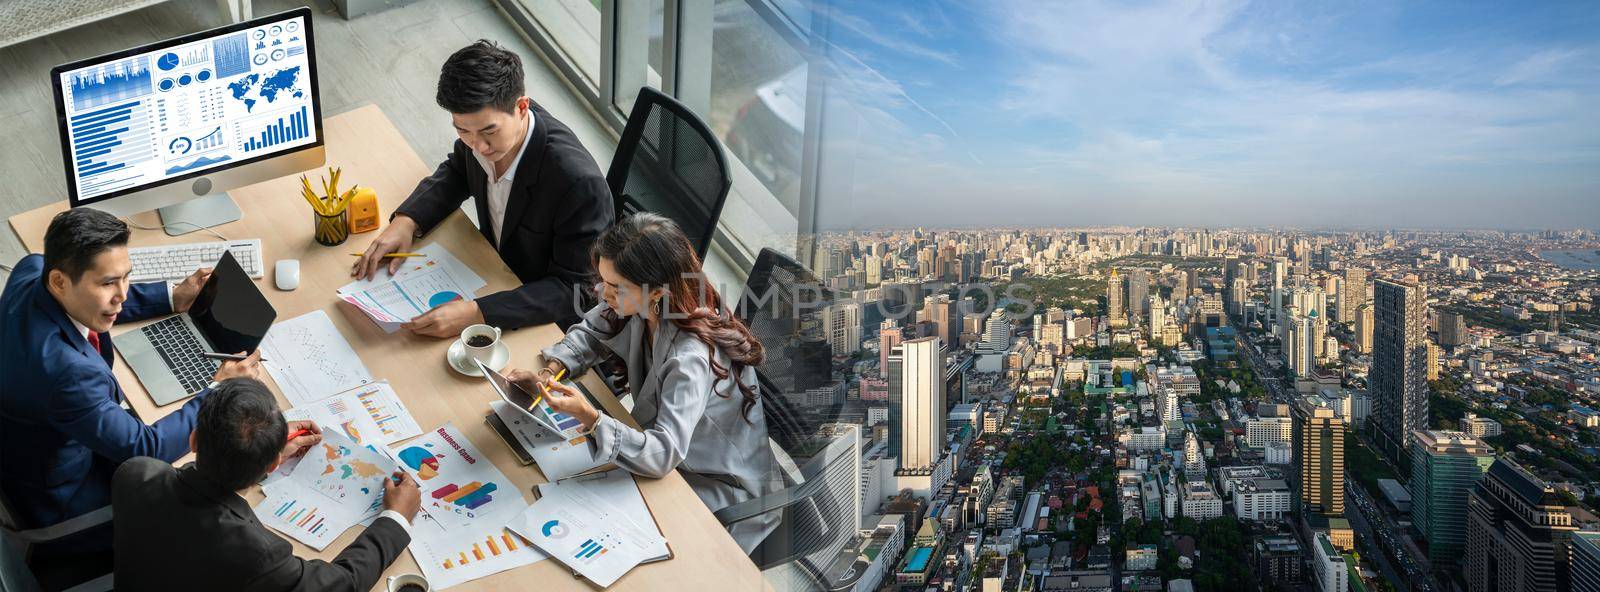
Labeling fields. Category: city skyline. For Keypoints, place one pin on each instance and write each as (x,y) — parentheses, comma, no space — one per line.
(1188,113)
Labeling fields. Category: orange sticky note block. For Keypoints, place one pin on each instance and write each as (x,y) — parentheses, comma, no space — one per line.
(364,211)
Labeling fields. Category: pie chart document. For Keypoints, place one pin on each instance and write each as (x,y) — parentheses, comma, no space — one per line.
(422,283)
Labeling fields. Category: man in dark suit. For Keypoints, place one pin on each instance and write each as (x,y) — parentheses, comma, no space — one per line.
(196,513)
(63,424)
(540,196)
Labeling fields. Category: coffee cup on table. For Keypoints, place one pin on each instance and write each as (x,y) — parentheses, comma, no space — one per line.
(480,341)
(408,583)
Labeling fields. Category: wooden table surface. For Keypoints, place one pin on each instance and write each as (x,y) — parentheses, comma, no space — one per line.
(373,154)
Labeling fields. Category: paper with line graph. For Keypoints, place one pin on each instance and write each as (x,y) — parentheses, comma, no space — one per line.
(370,415)
(450,557)
(460,487)
(310,360)
(420,284)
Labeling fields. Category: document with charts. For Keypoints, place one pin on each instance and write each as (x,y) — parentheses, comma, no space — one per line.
(460,487)
(451,557)
(581,530)
(334,486)
(421,284)
(310,359)
(370,415)
(559,455)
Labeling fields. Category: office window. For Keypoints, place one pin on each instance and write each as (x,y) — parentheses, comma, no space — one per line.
(758,99)
(572,26)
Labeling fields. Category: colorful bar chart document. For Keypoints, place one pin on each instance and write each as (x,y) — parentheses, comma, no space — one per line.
(421,284)
(450,557)
(587,535)
(370,415)
(335,485)
(559,455)
(460,487)
(310,359)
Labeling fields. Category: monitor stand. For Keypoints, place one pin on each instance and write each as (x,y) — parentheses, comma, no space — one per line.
(198,214)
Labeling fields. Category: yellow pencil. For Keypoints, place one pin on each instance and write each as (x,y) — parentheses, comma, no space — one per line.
(546,391)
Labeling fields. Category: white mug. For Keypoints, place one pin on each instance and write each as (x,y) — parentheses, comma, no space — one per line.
(485,353)
(400,581)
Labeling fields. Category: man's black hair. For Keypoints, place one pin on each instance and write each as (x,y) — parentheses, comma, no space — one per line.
(238,433)
(77,236)
(480,75)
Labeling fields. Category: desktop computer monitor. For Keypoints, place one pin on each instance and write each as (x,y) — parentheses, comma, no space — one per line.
(174,124)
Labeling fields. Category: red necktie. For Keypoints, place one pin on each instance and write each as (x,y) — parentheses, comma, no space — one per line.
(94,340)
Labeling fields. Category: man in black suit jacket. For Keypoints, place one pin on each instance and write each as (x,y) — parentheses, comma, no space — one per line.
(188,529)
(541,198)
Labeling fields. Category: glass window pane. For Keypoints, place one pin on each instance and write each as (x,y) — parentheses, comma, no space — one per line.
(758,98)
(575,26)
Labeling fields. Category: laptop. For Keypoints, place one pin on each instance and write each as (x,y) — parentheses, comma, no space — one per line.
(230,315)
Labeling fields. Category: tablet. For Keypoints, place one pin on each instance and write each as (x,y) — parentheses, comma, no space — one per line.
(532,406)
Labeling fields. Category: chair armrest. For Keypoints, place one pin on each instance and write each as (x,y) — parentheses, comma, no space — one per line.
(64,528)
(779,499)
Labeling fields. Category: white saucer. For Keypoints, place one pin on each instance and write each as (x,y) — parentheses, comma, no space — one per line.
(459,361)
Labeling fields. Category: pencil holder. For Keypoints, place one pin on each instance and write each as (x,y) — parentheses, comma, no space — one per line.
(333,230)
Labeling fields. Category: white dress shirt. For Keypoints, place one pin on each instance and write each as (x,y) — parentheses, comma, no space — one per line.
(83,330)
(500,189)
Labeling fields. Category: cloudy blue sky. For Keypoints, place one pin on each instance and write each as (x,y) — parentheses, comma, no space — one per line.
(1344,114)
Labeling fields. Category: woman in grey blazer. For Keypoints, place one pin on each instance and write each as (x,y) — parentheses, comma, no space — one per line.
(691,369)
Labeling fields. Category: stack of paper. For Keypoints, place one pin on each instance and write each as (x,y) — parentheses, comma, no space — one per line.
(335,485)
(420,285)
(581,524)
(559,454)
(370,415)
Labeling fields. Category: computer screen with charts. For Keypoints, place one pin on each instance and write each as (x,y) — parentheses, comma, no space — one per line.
(145,118)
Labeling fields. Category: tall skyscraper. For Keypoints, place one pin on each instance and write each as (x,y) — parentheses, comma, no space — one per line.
(1452,329)
(1398,380)
(1585,561)
(1444,466)
(1114,293)
(944,313)
(1194,459)
(1352,294)
(1518,534)
(1194,281)
(917,402)
(1364,323)
(1298,351)
(1319,458)
(997,335)
(1156,311)
(1138,291)
(889,336)
(842,322)
(1280,266)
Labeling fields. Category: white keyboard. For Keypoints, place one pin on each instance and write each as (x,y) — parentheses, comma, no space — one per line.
(175,262)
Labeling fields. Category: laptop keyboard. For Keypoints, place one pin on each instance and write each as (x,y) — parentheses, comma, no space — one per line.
(181,351)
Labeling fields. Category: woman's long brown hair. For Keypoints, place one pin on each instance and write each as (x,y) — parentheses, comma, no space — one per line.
(651,251)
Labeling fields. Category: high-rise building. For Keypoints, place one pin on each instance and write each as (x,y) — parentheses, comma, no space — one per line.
(1519,534)
(1364,323)
(1585,561)
(1319,458)
(889,336)
(1332,575)
(1297,348)
(1194,281)
(1280,266)
(944,314)
(1398,379)
(1353,294)
(1194,460)
(917,402)
(1433,362)
(1238,294)
(1138,292)
(842,323)
(1452,329)
(997,335)
(1156,311)
(1114,293)
(1444,466)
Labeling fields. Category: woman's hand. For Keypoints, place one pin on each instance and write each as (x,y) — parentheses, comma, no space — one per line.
(568,400)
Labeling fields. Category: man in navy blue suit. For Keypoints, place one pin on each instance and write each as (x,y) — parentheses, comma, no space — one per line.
(64,423)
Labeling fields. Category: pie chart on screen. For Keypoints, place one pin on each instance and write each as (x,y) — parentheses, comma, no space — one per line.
(442,297)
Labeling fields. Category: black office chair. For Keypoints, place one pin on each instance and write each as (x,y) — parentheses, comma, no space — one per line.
(15,543)
(817,498)
(668,162)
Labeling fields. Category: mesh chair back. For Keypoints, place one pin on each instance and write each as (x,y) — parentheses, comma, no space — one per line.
(668,162)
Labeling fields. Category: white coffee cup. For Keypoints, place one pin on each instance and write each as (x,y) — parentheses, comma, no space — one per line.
(484,353)
(402,580)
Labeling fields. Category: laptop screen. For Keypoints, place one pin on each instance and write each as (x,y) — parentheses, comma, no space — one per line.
(230,310)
